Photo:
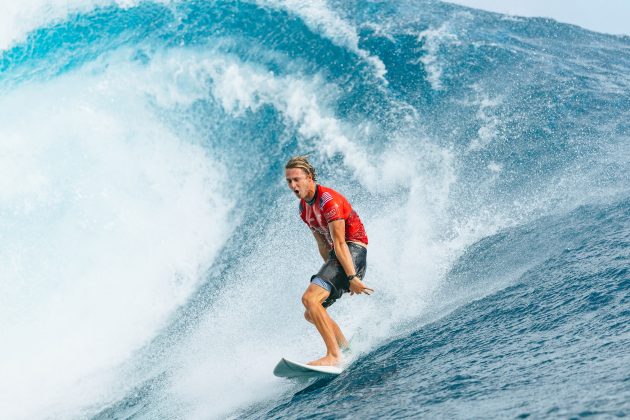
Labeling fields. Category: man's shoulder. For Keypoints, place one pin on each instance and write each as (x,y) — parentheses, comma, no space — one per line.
(328,197)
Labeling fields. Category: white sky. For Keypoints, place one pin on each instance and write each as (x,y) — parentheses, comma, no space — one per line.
(609,16)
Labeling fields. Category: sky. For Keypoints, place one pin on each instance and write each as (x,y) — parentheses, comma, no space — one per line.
(608,16)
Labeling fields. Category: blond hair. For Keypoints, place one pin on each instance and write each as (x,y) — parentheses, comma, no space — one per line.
(302,163)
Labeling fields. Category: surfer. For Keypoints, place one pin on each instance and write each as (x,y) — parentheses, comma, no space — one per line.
(342,243)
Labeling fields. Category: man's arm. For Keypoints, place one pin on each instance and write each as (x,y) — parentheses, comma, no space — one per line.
(338,233)
(322,245)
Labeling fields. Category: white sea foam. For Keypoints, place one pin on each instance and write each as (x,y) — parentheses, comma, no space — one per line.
(241,87)
(433,40)
(486,115)
(495,167)
(109,221)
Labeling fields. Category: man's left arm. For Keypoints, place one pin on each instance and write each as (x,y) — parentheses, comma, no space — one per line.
(338,233)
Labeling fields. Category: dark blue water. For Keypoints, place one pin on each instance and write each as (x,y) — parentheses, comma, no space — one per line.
(488,157)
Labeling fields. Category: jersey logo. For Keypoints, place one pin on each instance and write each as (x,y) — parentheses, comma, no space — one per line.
(331,213)
(326,197)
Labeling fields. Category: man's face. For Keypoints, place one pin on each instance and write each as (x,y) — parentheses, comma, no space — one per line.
(298,181)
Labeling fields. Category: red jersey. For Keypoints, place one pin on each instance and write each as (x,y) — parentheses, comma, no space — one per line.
(327,206)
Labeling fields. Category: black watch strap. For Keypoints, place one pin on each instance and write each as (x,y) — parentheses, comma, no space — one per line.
(351,276)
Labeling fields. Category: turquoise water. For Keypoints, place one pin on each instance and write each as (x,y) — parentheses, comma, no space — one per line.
(153,258)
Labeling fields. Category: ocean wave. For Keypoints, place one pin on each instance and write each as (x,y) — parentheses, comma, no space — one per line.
(155,252)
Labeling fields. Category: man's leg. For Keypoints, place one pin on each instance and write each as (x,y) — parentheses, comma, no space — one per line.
(341,339)
(312,301)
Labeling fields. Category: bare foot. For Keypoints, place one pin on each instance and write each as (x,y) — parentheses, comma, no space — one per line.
(326,361)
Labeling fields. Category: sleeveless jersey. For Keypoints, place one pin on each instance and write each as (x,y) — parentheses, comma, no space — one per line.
(327,206)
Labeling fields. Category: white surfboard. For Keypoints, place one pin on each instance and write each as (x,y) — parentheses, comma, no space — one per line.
(289,369)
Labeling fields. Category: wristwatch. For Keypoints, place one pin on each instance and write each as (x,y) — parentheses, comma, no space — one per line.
(351,276)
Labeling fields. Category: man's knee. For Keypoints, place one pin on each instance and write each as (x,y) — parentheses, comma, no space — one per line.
(312,299)
(308,300)
(307,316)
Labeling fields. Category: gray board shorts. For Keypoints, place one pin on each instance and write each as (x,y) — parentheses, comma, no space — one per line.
(333,275)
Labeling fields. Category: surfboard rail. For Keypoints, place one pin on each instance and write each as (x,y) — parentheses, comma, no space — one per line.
(287,368)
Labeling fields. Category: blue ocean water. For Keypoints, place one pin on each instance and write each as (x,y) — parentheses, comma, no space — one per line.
(153,258)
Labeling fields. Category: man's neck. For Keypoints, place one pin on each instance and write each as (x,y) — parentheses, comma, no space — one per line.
(310,198)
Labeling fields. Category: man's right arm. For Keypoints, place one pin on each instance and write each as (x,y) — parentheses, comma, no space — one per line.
(322,245)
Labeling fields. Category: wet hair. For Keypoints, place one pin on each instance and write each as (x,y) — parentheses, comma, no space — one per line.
(302,163)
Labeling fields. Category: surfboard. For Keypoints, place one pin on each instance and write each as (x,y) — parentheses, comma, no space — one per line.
(289,369)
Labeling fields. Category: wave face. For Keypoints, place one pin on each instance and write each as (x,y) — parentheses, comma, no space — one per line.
(153,259)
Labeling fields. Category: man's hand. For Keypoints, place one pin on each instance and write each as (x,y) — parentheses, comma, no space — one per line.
(357,287)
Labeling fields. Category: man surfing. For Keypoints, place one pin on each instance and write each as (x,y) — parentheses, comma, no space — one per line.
(342,243)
